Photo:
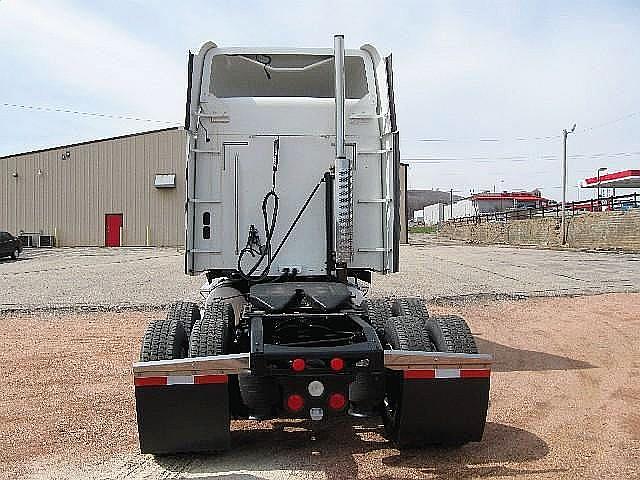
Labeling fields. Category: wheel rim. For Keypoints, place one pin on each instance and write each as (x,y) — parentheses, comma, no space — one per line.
(16,253)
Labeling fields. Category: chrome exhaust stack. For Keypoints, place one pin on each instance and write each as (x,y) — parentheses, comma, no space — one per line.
(343,185)
(338,53)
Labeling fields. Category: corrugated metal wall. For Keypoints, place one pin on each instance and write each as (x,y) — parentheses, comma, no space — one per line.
(70,196)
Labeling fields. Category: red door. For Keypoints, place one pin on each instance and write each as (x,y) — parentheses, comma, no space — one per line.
(112,226)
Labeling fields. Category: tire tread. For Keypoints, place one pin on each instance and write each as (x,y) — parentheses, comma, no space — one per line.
(450,333)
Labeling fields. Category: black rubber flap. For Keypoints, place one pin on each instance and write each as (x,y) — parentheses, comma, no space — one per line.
(275,297)
(443,411)
(183,418)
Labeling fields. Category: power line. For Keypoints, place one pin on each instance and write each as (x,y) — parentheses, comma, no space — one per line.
(516,158)
(528,139)
(486,140)
(475,158)
(86,114)
(610,122)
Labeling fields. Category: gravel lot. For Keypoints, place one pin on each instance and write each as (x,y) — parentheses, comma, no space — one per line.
(565,399)
(152,277)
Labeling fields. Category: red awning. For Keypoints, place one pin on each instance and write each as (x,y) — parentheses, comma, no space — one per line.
(623,179)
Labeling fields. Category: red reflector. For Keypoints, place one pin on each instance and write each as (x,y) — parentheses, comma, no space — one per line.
(203,379)
(416,374)
(149,381)
(337,401)
(298,365)
(475,373)
(336,364)
(295,402)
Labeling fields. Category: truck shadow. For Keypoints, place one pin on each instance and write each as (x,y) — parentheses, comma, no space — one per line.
(509,359)
(337,449)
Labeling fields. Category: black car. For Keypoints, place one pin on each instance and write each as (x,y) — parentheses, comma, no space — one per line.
(10,246)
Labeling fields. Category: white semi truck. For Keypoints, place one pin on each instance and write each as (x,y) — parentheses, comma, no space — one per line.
(292,202)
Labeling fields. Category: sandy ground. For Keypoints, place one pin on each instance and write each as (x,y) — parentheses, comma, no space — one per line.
(565,403)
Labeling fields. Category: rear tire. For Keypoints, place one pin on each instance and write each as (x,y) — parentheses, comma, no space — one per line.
(186,313)
(411,306)
(259,394)
(212,334)
(402,333)
(378,311)
(450,333)
(407,333)
(164,340)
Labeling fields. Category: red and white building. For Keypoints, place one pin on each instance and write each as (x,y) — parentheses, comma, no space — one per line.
(622,179)
(499,202)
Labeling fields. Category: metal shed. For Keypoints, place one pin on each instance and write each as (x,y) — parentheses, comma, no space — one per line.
(119,191)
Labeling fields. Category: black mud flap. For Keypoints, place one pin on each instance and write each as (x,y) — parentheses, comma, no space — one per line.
(441,411)
(183,417)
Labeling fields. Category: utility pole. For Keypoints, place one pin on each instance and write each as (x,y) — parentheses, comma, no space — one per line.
(601,169)
(564,182)
(451,203)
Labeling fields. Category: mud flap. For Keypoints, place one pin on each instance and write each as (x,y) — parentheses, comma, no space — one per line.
(182,416)
(446,411)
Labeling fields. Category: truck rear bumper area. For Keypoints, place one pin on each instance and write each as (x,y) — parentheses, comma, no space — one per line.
(178,418)
(442,411)
(184,405)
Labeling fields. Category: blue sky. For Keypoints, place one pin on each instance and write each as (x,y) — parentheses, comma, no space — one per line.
(489,80)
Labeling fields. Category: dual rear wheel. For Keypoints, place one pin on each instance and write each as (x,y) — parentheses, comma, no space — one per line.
(402,324)
(183,333)
(409,327)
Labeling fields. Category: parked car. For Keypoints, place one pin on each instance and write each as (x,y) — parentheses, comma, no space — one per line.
(10,246)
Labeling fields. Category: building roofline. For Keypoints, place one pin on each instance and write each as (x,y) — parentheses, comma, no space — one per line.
(509,197)
(89,142)
(612,176)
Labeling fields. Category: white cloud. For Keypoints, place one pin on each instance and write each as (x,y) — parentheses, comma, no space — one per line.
(85,54)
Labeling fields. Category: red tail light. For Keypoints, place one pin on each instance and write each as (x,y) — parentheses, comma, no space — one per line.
(298,365)
(295,402)
(336,364)
(337,401)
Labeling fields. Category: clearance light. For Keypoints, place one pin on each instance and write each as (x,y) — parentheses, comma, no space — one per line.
(336,364)
(295,402)
(298,365)
(337,401)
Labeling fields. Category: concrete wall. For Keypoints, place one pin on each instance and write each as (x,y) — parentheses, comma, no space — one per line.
(68,190)
(596,230)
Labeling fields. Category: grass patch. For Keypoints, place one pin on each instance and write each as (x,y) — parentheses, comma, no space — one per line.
(425,229)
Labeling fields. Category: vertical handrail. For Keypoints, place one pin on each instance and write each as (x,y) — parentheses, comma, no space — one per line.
(236,201)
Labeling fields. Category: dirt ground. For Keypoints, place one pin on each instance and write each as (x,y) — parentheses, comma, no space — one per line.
(565,403)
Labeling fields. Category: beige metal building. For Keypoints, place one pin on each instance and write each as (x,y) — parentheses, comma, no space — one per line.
(81,192)
(120,191)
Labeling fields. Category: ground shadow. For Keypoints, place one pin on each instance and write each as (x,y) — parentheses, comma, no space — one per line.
(509,359)
(500,444)
(12,260)
(331,448)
